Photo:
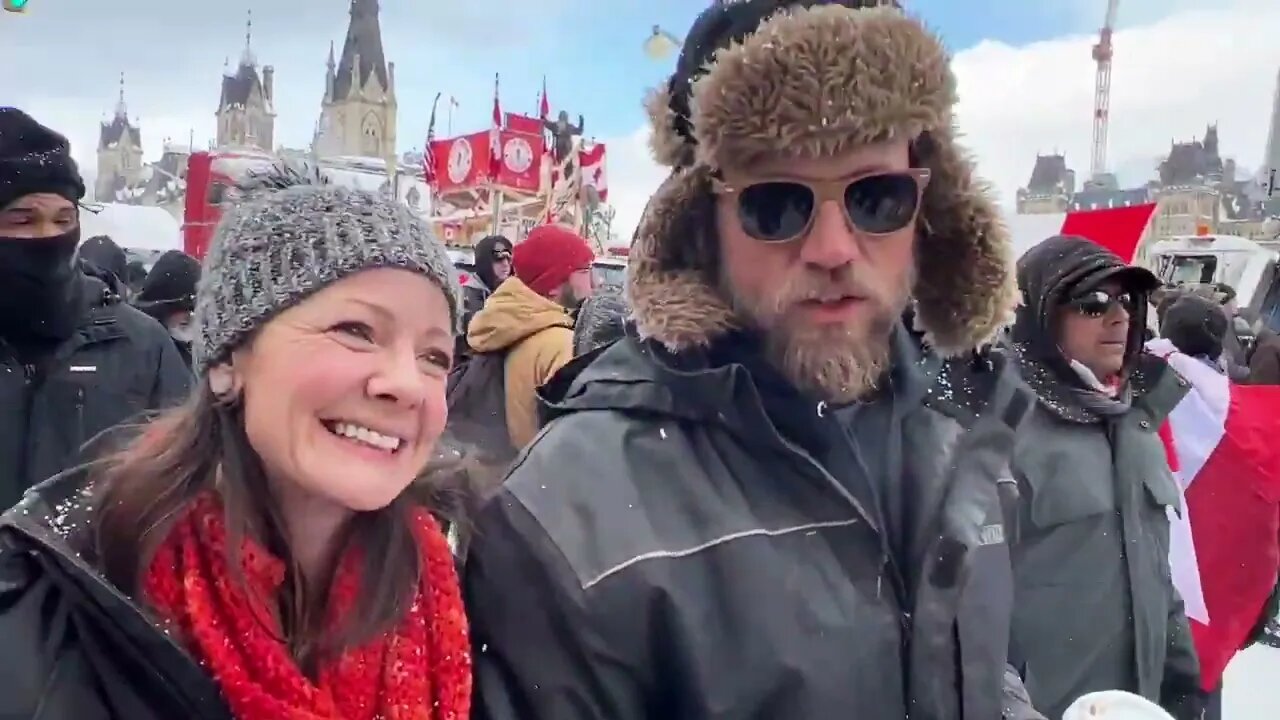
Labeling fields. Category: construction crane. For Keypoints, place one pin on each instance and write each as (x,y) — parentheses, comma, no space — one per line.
(1102,97)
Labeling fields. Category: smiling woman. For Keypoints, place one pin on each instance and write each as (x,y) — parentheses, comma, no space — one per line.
(278,527)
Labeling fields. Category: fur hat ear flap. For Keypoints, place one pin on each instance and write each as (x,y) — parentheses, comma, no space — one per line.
(965,288)
(669,148)
(672,280)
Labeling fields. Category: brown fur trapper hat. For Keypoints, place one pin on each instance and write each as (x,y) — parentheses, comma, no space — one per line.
(807,78)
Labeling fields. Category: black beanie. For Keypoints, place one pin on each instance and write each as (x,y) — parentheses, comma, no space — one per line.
(717,27)
(34,159)
(1196,326)
(171,284)
(103,253)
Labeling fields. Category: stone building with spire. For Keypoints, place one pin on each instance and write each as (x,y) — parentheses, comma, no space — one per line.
(246,109)
(119,152)
(358,111)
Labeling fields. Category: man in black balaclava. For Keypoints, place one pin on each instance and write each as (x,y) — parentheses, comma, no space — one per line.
(168,294)
(493,265)
(74,359)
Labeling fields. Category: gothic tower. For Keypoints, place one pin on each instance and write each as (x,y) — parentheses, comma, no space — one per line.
(119,153)
(246,109)
(1271,161)
(358,112)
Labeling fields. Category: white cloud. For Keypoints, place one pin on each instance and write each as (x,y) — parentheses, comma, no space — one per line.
(633,176)
(1169,79)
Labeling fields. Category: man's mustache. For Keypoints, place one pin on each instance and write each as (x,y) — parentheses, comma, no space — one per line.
(848,282)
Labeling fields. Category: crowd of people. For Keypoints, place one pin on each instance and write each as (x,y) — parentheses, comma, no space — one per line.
(834,451)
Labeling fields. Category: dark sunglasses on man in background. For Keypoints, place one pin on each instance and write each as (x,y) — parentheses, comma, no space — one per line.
(778,210)
(1097,303)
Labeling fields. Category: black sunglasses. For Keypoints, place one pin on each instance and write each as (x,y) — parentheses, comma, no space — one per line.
(1097,303)
(781,210)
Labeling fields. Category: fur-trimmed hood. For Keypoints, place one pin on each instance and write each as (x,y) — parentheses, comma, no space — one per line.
(806,79)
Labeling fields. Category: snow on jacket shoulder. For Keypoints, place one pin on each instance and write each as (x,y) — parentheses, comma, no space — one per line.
(75,647)
(119,365)
(660,551)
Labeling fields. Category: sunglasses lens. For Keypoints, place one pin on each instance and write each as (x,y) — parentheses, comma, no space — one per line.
(882,204)
(775,211)
(1100,302)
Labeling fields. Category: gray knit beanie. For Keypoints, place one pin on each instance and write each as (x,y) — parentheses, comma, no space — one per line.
(290,235)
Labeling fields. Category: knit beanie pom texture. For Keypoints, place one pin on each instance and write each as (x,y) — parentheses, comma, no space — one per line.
(289,235)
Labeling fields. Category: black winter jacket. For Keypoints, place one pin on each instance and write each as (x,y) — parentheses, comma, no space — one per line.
(75,648)
(118,365)
(663,550)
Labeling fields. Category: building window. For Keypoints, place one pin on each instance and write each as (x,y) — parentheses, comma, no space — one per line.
(217,193)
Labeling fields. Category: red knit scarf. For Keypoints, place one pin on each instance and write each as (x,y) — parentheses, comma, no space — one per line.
(421,670)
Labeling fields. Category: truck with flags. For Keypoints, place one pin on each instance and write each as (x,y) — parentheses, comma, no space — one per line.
(507,179)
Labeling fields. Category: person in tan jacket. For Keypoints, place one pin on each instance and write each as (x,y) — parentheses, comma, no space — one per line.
(530,318)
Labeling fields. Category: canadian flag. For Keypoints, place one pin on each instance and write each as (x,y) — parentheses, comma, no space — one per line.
(594,171)
(1225,544)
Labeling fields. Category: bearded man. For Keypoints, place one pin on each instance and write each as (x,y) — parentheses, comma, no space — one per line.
(776,497)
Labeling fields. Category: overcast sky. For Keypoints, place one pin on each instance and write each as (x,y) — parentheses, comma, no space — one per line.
(1025,71)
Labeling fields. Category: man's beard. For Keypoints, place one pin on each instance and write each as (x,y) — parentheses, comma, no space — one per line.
(839,363)
(568,299)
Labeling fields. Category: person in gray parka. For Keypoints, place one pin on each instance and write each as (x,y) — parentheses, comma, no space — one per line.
(1095,605)
(775,498)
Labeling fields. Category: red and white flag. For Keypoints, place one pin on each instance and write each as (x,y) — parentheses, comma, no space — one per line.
(495,133)
(544,106)
(1225,544)
(1119,230)
(594,170)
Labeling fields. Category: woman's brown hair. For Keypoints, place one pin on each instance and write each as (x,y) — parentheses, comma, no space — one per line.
(144,488)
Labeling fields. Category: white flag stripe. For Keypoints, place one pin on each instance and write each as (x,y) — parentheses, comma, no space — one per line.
(1197,425)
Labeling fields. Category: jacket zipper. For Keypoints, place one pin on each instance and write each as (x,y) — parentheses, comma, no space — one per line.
(80,415)
(890,567)
(33,377)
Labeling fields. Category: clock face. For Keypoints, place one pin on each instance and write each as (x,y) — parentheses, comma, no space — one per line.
(518,155)
(459,160)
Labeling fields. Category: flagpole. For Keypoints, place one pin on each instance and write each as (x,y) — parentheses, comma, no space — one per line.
(495,192)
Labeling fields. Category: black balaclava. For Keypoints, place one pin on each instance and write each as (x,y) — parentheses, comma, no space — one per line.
(487,252)
(38,276)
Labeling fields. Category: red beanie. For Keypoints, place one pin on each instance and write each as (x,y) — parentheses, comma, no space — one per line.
(548,256)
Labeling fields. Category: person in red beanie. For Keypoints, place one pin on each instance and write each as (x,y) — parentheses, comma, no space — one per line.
(555,262)
(529,319)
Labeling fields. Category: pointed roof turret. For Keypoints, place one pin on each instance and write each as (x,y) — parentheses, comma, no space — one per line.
(112,132)
(1271,161)
(122,110)
(362,55)
(247,59)
(239,87)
